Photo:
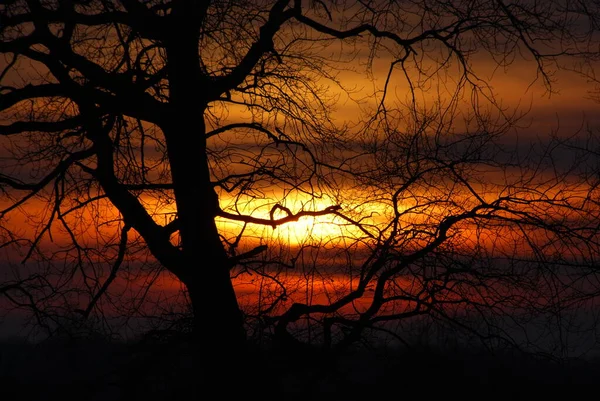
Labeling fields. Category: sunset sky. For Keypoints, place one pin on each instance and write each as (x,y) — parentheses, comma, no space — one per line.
(571,108)
(316,259)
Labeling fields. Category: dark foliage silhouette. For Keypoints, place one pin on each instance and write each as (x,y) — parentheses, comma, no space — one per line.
(153,152)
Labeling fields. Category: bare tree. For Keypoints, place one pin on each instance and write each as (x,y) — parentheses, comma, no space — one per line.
(148,138)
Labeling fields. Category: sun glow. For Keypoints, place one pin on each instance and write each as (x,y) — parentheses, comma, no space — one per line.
(255,220)
(329,227)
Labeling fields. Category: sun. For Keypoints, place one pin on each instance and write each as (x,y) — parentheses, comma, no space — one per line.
(307,229)
(329,228)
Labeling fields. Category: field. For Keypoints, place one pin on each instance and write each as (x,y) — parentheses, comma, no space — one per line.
(164,370)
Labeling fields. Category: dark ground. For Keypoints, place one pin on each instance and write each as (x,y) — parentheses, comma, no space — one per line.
(163,370)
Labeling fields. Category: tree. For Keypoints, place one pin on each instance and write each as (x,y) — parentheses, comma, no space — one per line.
(146,129)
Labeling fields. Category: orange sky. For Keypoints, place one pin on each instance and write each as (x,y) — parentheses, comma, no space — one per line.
(565,111)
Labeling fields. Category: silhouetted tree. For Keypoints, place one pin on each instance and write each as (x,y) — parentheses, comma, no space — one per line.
(144,137)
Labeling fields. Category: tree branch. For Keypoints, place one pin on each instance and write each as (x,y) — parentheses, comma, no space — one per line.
(40,126)
(264,44)
(113,272)
(277,222)
(247,255)
(28,92)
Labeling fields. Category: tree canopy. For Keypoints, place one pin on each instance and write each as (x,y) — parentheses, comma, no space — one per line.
(154,153)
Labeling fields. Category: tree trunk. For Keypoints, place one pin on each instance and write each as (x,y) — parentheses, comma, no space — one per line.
(217,316)
(218,322)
